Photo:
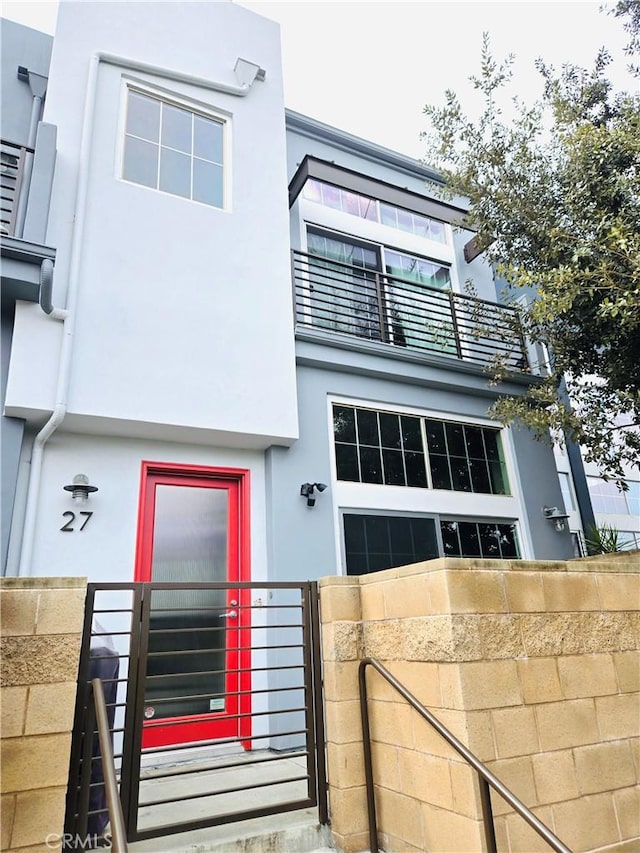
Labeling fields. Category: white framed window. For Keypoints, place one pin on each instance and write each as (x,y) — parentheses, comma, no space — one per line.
(174,148)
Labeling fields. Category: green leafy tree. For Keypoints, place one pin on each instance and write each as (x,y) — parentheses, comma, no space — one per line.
(554,194)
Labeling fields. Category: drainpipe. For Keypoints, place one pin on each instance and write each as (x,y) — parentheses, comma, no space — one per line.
(246,73)
(38,85)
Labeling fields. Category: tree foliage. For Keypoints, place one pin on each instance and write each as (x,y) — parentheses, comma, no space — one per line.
(554,194)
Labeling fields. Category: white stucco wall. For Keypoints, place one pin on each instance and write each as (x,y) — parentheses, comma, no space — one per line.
(183,314)
(105,549)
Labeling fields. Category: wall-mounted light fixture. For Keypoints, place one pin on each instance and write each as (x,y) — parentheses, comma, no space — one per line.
(556,515)
(80,488)
(307,490)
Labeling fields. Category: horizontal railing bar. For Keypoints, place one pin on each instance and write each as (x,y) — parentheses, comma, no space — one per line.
(218,671)
(235,790)
(216,741)
(182,652)
(267,690)
(173,721)
(232,817)
(17,145)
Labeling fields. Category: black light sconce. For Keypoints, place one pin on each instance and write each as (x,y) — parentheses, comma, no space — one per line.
(556,515)
(80,488)
(307,490)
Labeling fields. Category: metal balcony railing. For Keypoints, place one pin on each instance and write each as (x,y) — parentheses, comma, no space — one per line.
(12,163)
(346,300)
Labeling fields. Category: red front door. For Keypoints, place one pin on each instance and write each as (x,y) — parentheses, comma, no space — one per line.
(193,529)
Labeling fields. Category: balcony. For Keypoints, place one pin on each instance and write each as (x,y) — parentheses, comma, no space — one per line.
(12,172)
(344,300)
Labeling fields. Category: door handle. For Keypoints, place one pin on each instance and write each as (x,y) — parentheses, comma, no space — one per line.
(230,614)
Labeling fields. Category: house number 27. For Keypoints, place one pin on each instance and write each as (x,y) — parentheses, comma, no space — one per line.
(70,525)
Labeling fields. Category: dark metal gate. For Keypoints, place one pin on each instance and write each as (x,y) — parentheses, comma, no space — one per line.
(163,652)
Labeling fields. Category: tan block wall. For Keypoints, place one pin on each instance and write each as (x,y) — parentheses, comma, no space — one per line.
(534,666)
(41,627)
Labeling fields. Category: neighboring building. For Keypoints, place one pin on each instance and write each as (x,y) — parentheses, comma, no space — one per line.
(174,370)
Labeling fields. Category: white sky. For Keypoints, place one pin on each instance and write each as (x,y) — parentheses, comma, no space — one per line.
(370,67)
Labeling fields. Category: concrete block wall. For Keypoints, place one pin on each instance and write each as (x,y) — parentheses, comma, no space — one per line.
(41,626)
(534,666)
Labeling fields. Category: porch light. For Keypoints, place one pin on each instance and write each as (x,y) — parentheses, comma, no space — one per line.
(557,516)
(80,488)
(307,490)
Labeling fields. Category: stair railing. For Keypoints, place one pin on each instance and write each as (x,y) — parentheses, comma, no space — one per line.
(485,776)
(114,806)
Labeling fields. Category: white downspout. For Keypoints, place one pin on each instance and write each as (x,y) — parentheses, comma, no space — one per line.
(247,73)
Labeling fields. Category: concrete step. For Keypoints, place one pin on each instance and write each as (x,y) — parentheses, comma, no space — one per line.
(289,832)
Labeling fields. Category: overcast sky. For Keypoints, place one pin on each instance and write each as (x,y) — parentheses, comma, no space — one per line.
(370,67)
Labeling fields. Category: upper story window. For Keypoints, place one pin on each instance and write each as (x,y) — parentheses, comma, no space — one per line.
(402,450)
(607,498)
(173,149)
(374,210)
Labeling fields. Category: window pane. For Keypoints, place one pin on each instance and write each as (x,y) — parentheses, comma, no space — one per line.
(143,116)
(469,539)
(489,537)
(498,478)
(473,439)
(435,437)
(455,439)
(440,472)
(370,465)
(400,534)
(416,471)
(411,435)
(175,173)
(460,474)
(140,162)
(312,190)
(491,441)
(207,141)
(508,541)
(377,533)
(633,497)
(388,215)
(207,183)
(368,427)
(393,468)
(354,533)
(390,430)
(347,463)
(450,541)
(176,128)
(424,538)
(479,476)
(344,423)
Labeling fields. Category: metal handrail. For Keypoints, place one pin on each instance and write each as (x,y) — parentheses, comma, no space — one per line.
(485,776)
(114,806)
(340,298)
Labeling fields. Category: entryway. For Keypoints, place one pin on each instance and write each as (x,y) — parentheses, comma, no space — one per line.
(210,724)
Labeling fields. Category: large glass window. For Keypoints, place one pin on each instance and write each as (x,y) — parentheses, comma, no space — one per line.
(373,210)
(378,447)
(173,149)
(375,542)
(486,539)
(606,497)
(387,448)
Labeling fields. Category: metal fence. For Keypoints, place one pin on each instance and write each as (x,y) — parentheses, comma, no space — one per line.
(214,704)
(341,299)
(12,161)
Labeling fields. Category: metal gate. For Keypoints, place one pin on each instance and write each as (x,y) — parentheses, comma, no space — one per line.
(172,669)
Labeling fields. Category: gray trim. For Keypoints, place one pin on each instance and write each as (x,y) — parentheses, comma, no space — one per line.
(306,126)
(321,170)
(24,250)
(422,368)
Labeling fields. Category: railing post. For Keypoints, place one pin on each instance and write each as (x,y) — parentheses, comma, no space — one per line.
(454,322)
(368,763)
(382,311)
(487,815)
